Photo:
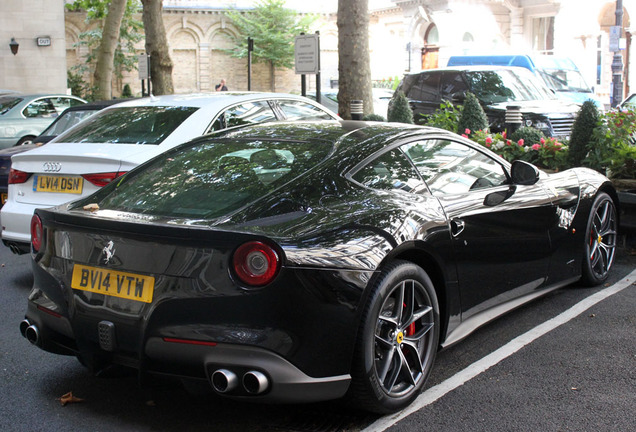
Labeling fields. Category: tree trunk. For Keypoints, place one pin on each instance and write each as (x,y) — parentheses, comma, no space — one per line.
(272,76)
(157,47)
(103,74)
(354,66)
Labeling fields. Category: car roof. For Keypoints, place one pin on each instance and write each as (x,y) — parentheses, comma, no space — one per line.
(96,105)
(218,99)
(475,68)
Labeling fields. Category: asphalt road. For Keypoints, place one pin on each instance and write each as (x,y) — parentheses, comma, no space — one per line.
(580,376)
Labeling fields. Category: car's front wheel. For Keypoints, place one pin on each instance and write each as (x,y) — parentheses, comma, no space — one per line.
(600,240)
(397,341)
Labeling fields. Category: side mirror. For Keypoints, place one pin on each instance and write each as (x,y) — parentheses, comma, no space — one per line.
(524,173)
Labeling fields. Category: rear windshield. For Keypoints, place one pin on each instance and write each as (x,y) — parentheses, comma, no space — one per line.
(211,179)
(8,102)
(129,125)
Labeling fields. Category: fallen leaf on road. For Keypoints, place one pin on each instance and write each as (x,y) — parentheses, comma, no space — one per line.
(69,398)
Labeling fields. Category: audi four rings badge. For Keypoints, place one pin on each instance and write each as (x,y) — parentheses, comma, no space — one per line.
(52,166)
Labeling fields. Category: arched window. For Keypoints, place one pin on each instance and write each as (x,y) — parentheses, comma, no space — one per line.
(432,35)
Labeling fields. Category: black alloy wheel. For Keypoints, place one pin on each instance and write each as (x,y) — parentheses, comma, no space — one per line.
(600,240)
(398,340)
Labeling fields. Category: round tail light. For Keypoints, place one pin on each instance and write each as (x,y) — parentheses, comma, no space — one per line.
(255,263)
(37,233)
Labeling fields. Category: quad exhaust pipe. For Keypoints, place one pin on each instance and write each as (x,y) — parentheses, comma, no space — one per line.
(225,381)
(30,332)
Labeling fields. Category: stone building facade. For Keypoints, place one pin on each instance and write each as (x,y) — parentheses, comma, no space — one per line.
(405,36)
(37,27)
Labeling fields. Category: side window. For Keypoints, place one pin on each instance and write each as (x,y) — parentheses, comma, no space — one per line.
(299,110)
(426,88)
(61,103)
(452,83)
(245,113)
(390,171)
(450,167)
(41,108)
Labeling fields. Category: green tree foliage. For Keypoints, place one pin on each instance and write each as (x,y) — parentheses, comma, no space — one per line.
(529,135)
(130,32)
(399,109)
(273,29)
(446,117)
(373,117)
(473,117)
(580,141)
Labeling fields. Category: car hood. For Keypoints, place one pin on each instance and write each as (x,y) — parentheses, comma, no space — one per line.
(539,106)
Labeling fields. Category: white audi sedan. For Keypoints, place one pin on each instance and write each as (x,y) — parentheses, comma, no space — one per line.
(117,139)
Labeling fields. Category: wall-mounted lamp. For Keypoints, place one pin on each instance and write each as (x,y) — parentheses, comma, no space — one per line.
(14,45)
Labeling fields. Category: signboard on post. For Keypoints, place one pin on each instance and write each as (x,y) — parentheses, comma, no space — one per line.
(307,54)
(143,66)
(615,37)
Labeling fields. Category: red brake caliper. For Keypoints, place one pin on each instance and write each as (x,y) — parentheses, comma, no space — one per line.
(410,330)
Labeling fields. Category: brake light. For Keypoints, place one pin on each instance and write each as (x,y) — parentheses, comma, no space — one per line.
(102,179)
(18,177)
(255,263)
(37,233)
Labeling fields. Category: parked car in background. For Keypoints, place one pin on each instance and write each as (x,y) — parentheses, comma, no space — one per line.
(629,102)
(25,116)
(301,262)
(118,138)
(69,118)
(559,74)
(497,88)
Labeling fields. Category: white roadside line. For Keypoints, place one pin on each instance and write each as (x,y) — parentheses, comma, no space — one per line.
(436,392)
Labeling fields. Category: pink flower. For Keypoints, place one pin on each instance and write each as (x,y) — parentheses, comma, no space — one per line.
(503,134)
(487,144)
(520,142)
(536,146)
(508,142)
(488,140)
(465,136)
(467,131)
(542,140)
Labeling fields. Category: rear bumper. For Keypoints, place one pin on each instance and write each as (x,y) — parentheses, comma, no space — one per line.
(284,382)
(16,223)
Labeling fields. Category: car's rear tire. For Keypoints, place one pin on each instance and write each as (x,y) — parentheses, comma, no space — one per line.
(25,140)
(600,240)
(397,340)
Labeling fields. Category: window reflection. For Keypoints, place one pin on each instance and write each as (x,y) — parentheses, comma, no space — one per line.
(390,171)
(450,167)
(245,113)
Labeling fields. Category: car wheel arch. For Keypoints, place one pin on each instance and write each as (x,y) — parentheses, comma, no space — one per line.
(417,253)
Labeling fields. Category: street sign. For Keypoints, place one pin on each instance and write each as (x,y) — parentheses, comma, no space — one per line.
(307,54)
(143,66)
(615,37)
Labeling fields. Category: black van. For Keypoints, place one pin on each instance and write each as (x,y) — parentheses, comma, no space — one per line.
(498,89)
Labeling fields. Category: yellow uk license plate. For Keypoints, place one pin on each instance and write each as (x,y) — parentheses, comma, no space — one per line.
(63,184)
(113,283)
